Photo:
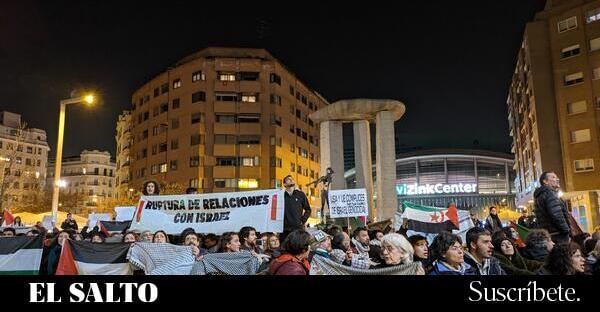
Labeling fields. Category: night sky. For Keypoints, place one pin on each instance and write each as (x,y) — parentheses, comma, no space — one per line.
(450,62)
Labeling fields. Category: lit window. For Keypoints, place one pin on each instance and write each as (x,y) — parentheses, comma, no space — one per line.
(249,98)
(573,79)
(594,44)
(176,83)
(163,168)
(223,76)
(579,136)
(596,73)
(197,76)
(583,165)
(195,183)
(567,24)
(249,161)
(576,107)
(592,15)
(570,51)
(248,183)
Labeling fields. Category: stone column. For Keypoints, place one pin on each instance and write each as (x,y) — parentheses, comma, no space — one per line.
(387,200)
(332,152)
(362,161)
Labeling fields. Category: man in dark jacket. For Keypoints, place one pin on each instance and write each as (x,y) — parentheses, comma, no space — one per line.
(296,209)
(69,223)
(551,211)
(479,256)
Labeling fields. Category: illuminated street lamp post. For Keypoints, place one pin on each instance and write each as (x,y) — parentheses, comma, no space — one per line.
(87,99)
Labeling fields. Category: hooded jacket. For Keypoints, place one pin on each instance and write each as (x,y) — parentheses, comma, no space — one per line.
(551,211)
(287,264)
(517,265)
(535,253)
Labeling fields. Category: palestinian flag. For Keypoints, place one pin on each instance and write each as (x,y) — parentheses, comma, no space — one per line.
(8,218)
(430,219)
(21,255)
(110,227)
(523,232)
(86,258)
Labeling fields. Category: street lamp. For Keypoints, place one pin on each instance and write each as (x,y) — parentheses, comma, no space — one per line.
(88,99)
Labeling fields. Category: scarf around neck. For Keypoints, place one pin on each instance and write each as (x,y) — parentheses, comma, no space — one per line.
(359,246)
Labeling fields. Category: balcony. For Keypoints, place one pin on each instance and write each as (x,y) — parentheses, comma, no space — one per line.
(250,128)
(226,86)
(224,150)
(248,107)
(250,86)
(224,171)
(249,150)
(250,172)
(225,128)
(225,107)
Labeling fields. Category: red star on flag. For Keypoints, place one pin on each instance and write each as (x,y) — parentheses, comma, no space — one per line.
(434,217)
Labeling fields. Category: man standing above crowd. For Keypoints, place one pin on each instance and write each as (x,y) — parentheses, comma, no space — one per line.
(479,255)
(297,208)
(69,223)
(551,211)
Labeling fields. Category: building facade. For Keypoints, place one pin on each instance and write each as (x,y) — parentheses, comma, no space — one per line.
(471,179)
(124,141)
(87,180)
(23,161)
(225,119)
(554,106)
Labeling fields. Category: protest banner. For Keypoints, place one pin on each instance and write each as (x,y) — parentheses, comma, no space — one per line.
(211,213)
(93,219)
(124,213)
(47,222)
(348,203)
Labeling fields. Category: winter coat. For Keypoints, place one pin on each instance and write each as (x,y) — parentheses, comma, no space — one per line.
(494,265)
(440,268)
(517,265)
(297,211)
(551,211)
(69,225)
(592,265)
(287,264)
(534,253)
(493,224)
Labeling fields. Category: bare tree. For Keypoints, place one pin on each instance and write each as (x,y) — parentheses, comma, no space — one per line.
(172,188)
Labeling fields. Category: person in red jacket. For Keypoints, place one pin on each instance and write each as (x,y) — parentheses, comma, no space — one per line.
(294,261)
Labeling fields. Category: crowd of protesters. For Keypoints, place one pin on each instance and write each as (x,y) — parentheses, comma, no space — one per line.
(489,247)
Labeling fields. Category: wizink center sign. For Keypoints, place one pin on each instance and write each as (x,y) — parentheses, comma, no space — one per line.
(432,189)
